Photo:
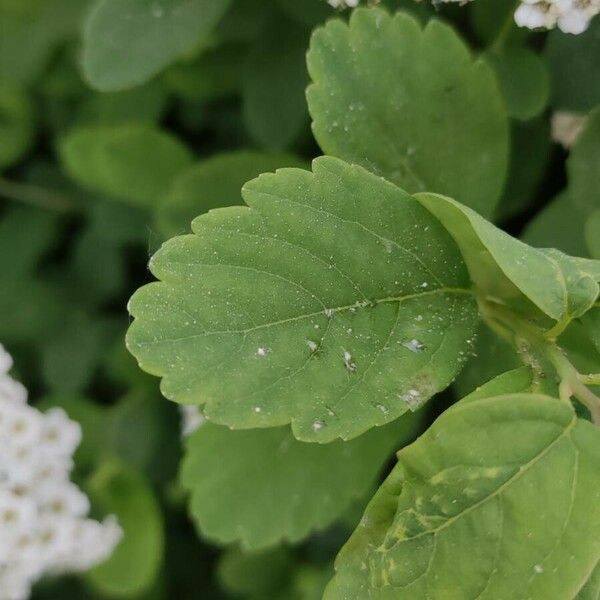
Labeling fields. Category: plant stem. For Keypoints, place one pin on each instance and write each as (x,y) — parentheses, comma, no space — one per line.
(36,196)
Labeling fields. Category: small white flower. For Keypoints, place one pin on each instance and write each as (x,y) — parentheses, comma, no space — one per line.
(191,419)
(343,3)
(571,16)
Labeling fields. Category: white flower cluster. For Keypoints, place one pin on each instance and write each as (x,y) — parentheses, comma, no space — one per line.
(571,16)
(343,3)
(43,524)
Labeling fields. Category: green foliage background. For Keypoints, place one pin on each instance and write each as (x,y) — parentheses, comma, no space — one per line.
(123,120)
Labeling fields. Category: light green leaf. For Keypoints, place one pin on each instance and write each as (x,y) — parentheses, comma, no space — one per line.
(214,183)
(558,225)
(515,381)
(126,42)
(275,78)
(501,266)
(409,104)
(505,486)
(584,164)
(575,68)
(135,163)
(523,79)
(305,488)
(16,124)
(136,561)
(592,234)
(335,302)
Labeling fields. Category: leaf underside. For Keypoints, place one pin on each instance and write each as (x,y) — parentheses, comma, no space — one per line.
(334,302)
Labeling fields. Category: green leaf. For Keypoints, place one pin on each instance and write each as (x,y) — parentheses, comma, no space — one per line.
(135,563)
(501,266)
(498,485)
(126,42)
(592,234)
(558,225)
(69,358)
(523,79)
(575,68)
(332,294)
(515,381)
(488,17)
(29,40)
(305,488)
(135,163)
(529,156)
(592,323)
(214,183)
(410,105)
(275,78)
(16,124)
(584,164)
(26,235)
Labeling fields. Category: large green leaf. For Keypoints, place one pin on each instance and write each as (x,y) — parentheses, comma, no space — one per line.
(501,266)
(306,487)
(584,164)
(505,487)
(136,561)
(126,42)
(591,590)
(335,302)
(214,183)
(409,104)
(135,162)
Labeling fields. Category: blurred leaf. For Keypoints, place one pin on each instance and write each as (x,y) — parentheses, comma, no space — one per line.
(134,565)
(16,125)
(409,104)
(259,575)
(488,17)
(135,162)
(29,309)
(558,225)
(523,79)
(72,355)
(306,487)
(584,164)
(214,183)
(126,42)
(574,62)
(308,12)
(142,104)
(215,74)
(592,234)
(28,41)
(269,314)
(591,590)
(530,153)
(145,432)
(26,236)
(275,78)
